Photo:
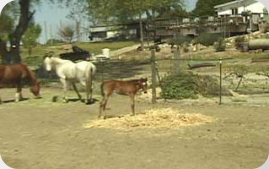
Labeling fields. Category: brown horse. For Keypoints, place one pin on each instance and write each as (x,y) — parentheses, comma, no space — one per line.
(129,88)
(14,75)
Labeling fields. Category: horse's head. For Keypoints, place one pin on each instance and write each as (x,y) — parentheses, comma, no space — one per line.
(144,84)
(48,61)
(35,89)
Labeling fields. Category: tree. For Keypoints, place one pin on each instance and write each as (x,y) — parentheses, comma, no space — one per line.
(30,37)
(124,11)
(206,7)
(12,55)
(7,20)
(67,33)
(77,13)
(17,16)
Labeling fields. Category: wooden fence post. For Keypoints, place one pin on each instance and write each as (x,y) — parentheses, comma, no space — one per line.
(176,61)
(153,71)
(220,86)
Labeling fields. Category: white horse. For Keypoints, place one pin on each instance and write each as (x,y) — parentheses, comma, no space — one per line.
(70,72)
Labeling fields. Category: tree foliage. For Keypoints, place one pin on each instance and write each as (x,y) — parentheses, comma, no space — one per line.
(78,12)
(125,10)
(14,21)
(9,15)
(206,7)
(31,35)
(15,30)
(67,33)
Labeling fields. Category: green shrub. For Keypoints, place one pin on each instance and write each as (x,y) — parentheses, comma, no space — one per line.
(188,85)
(207,39)
(181,86)
(220,45)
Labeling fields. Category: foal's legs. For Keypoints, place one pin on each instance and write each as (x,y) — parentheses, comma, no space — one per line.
(76,90)
(133,104)
(102,107)
(0,100)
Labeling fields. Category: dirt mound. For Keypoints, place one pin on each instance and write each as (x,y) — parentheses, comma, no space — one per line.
(153,118)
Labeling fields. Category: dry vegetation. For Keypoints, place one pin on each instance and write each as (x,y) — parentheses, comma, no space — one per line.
(153,118)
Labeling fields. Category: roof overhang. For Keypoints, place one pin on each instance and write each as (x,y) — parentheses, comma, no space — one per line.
(236,3)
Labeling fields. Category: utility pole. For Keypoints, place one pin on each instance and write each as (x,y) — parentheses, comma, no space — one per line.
(51,38)
(46,32)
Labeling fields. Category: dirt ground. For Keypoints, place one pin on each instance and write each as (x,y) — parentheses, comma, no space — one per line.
(40,134)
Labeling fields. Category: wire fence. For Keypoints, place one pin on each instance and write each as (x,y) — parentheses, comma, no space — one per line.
(232,81)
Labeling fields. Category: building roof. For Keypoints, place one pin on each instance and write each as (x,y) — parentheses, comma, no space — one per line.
(236,2)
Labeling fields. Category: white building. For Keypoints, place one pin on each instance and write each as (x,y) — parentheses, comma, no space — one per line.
(239,6)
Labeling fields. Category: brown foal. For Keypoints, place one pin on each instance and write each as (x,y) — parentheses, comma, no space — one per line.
(129,88)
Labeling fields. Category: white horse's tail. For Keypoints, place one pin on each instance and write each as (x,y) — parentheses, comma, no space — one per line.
(90,71)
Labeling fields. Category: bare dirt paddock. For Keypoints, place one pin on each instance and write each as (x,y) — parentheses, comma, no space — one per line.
(40,134)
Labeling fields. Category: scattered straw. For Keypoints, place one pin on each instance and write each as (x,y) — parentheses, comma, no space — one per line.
(153,118)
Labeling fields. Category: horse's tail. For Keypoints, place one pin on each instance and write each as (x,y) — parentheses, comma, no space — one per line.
(90,71)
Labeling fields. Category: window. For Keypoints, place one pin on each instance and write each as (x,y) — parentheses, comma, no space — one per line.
(235,11)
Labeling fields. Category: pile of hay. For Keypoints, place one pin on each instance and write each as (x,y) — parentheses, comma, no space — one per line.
(153,118)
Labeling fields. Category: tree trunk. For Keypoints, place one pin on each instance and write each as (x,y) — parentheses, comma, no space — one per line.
(13,55)
(3,51)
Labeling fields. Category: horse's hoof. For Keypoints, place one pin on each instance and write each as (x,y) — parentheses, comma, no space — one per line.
(54,98)
(87,102)
(65,100)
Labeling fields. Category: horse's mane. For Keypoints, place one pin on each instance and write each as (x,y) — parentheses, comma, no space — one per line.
(30,74)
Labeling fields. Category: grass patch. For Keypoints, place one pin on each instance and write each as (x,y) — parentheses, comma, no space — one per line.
(95,47)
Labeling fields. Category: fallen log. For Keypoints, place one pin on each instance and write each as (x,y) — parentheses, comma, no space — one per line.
(200,65)
(260,59)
